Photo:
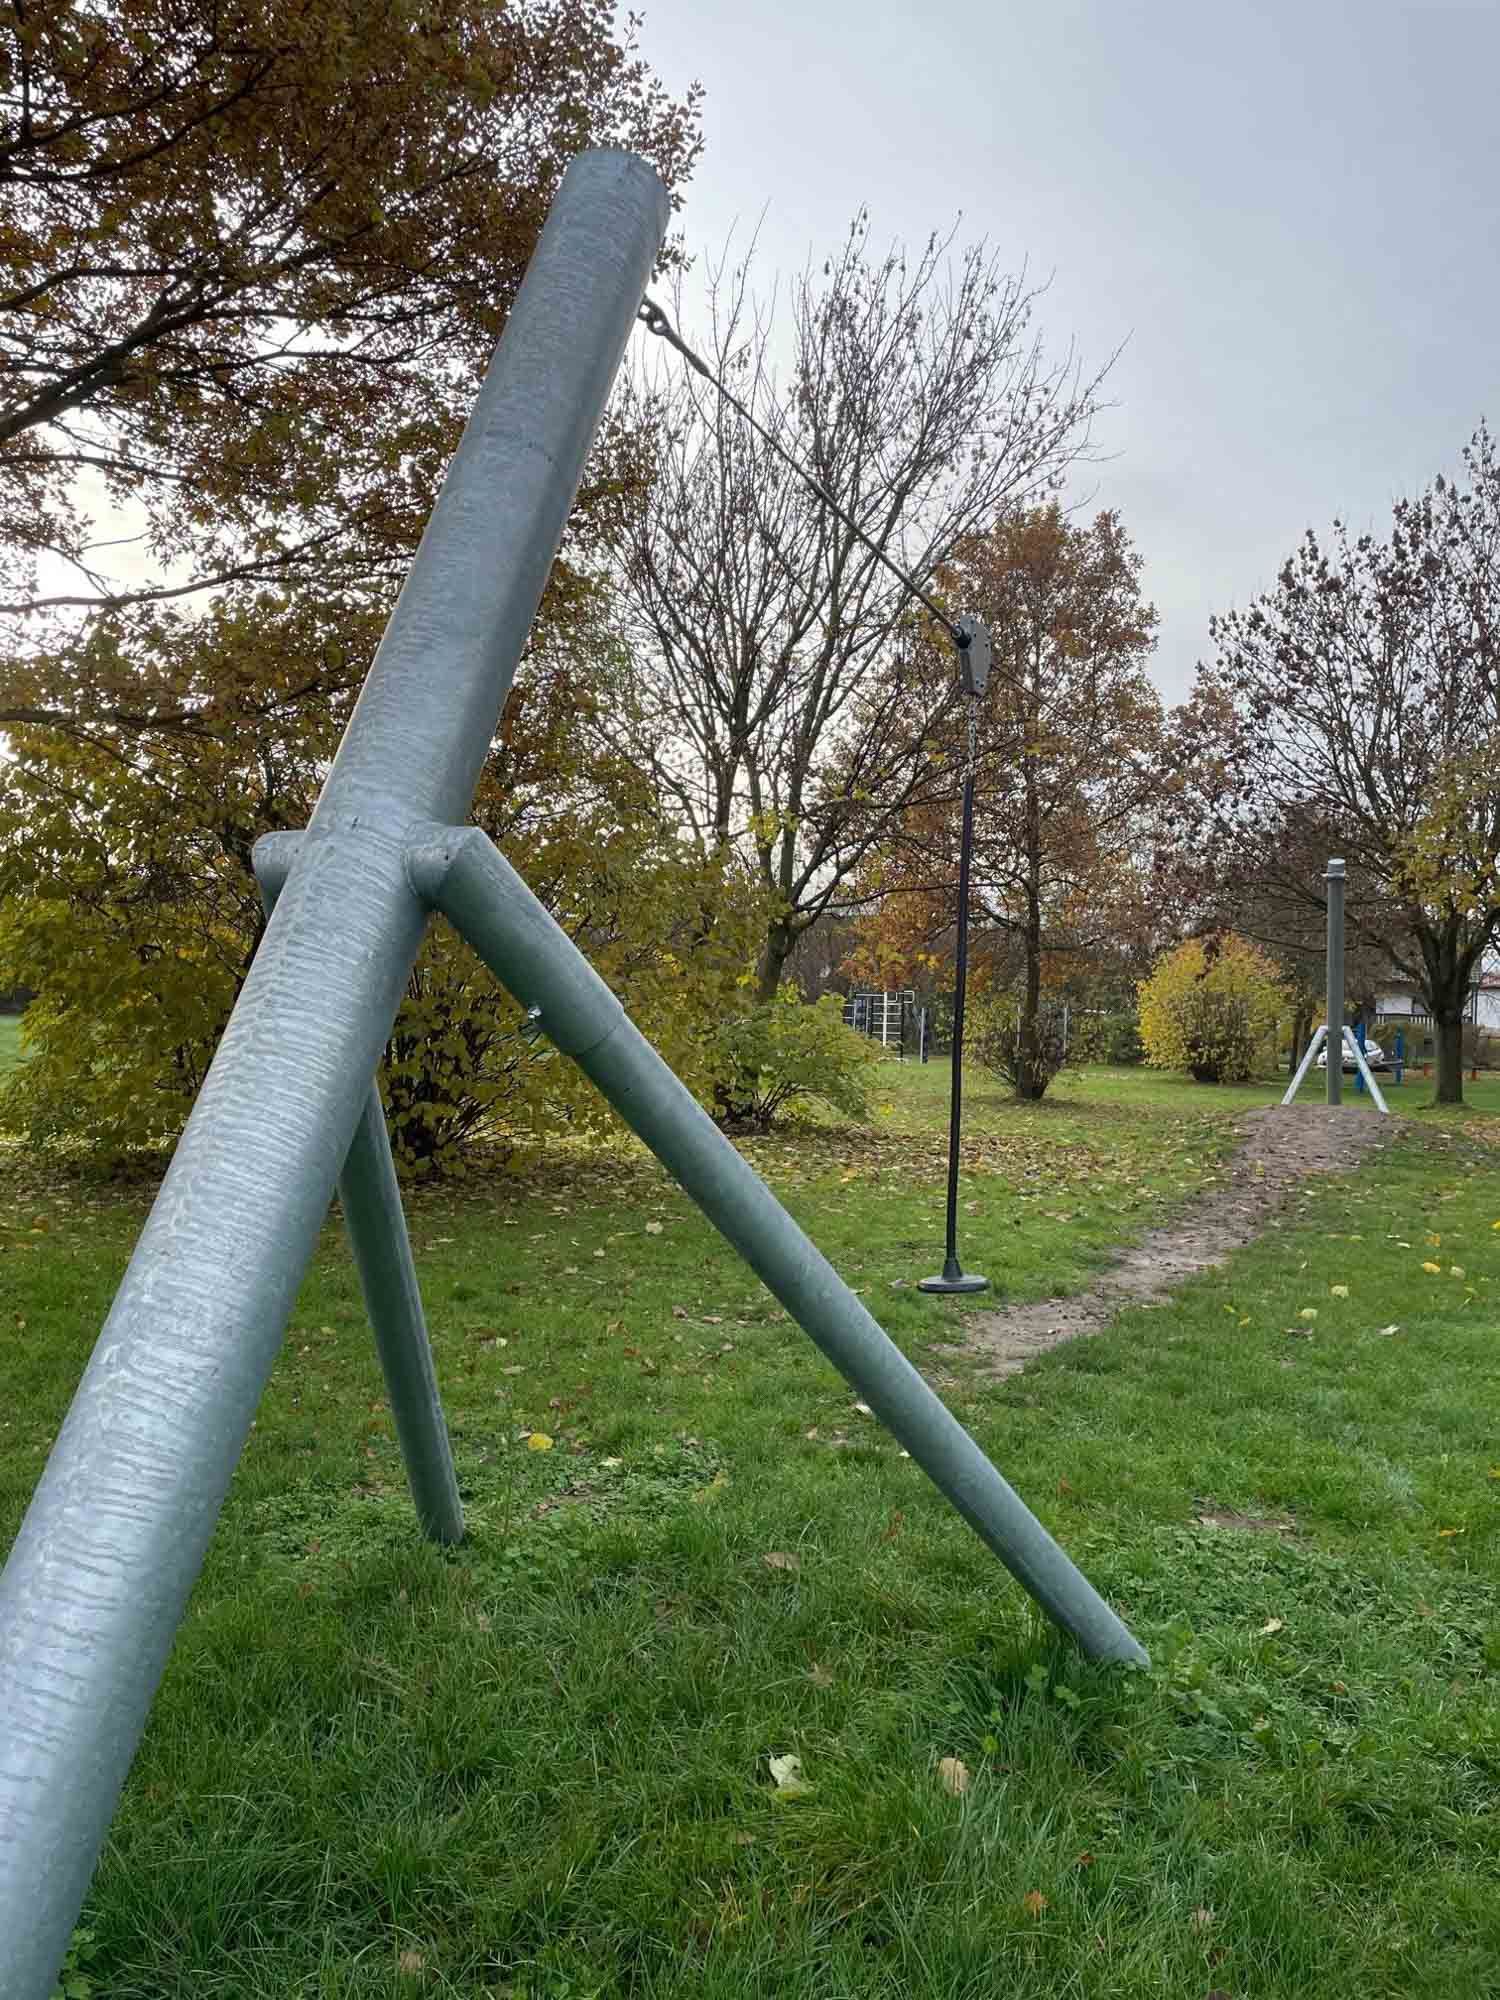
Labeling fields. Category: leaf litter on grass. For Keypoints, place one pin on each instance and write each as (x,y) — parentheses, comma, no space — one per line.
(1310,1725)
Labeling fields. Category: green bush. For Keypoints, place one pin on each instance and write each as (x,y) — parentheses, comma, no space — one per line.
(783,1052)
(1106,1038)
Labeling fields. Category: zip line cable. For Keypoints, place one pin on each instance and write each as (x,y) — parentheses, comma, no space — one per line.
(654,318)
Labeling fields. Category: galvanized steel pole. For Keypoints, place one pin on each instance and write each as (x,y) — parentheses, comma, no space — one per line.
(465,876)
(371,1200)
(101,1570)
(1333,1048)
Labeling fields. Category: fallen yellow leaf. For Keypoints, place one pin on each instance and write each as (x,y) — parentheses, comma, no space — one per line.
(954,1774)
(1455,1270)
(1338,1291)
(1308,1312)
(1033,1902)
(1434,1268)
(786,1775)
(539,1441)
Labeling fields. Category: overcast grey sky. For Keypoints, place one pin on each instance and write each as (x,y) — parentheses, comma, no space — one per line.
(1288,210)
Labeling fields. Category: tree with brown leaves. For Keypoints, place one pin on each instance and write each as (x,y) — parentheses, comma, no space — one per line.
(1069,742)
(253,258)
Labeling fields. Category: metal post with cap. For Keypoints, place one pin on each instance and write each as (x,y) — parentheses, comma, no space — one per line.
(974,656)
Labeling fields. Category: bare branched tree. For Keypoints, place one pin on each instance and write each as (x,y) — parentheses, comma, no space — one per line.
(781,695)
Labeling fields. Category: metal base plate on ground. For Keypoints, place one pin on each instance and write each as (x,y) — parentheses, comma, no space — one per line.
(963,1281)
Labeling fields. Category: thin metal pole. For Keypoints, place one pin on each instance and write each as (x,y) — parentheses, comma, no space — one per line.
(460,872)
(116,1533)
(954,1278)
(951,1268)
(1335,1044)
(370,1197)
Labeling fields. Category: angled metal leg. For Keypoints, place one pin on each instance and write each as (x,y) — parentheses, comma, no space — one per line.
(463,875)
(371,1201)
(1351,1042)
(1309,1057)
(370,1197)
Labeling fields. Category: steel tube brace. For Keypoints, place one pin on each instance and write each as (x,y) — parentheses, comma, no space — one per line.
(461,873)
(370,1197)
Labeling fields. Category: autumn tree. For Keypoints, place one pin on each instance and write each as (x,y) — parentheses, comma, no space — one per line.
(782,697)
(255,255)
(1067,771)
(1361,697)
(255,258)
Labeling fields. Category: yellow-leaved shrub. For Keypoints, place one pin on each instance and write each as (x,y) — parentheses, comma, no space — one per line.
(1211,1006)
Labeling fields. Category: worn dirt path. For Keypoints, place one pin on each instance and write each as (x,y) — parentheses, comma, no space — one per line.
(1277,1149)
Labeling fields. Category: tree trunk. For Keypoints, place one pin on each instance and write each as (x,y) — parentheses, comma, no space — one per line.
(1450,968)
(1031,1065)
(1302,1027)
(1450,1057)
(774,955)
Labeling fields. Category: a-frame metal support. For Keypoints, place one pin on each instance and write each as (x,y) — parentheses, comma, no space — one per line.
(1351,1045)
(458,871)
(115,1535)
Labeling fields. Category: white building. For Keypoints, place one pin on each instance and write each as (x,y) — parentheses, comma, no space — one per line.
(1398,1006)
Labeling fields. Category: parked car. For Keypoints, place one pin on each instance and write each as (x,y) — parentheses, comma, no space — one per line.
(1375,1056)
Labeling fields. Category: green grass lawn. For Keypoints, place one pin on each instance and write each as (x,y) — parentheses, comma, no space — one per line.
(538,1766)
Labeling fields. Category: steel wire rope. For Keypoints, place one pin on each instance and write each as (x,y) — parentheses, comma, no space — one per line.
(654,318)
